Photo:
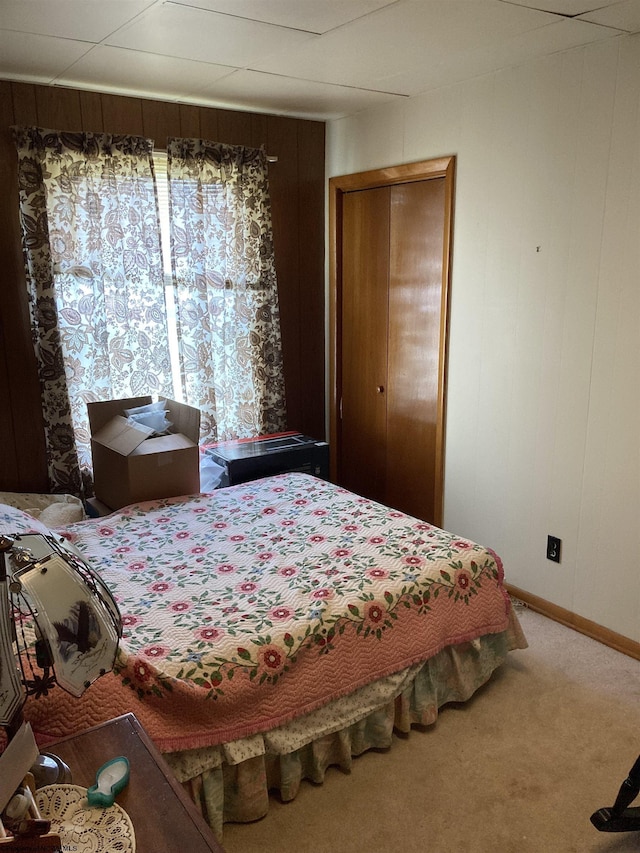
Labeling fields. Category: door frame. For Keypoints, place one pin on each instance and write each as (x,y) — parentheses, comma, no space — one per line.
(424,170)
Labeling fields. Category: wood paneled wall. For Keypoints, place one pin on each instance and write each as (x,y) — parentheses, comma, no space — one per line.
(297,195)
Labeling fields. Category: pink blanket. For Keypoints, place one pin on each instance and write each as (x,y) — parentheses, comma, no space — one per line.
(249,607)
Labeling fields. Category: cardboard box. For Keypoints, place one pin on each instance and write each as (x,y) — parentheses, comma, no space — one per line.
(129,467)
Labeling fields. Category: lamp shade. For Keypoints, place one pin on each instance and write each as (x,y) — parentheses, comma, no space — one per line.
(65,619)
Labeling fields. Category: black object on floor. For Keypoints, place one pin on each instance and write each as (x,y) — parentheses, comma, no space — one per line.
(267,455)
(621,817)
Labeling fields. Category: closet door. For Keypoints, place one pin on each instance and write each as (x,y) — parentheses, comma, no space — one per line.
(365,267)
(390,248)
(415,297)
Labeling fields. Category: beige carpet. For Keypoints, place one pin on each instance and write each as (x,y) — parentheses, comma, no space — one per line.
(521,767)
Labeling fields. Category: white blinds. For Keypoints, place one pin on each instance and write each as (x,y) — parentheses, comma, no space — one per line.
(162,185)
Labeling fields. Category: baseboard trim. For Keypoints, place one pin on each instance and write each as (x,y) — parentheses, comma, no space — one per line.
(578,623)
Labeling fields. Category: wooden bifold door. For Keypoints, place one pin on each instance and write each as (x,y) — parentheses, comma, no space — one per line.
(391,235)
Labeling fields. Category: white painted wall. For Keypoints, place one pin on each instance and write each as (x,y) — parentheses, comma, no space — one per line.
(543,418)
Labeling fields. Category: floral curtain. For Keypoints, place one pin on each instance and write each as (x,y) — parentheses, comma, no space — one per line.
(94,271)
(225,287)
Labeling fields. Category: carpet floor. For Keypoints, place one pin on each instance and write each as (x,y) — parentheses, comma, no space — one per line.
(520,767)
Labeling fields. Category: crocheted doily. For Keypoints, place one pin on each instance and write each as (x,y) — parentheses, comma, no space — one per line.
(82,828)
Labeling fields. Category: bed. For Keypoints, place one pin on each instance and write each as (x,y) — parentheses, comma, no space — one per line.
(278,627)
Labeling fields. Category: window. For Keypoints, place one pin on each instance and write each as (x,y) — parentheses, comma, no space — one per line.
(127,328)
(162,186)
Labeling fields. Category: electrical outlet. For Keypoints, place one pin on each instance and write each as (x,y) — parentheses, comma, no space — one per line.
(553,548)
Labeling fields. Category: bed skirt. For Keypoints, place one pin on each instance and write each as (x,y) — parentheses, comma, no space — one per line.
(231,783)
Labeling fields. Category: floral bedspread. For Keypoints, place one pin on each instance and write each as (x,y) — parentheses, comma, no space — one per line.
(251,606)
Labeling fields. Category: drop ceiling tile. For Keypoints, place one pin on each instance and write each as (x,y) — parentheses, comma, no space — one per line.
(190,33)
(389,49)
(623,16)
(36,58)
(138,73)
(564,7)
(85,20)
(314,16)
(285,95)
(564,34)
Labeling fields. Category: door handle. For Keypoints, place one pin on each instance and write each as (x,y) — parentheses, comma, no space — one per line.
(380,389)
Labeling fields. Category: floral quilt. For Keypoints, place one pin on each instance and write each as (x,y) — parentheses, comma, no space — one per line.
(251,606)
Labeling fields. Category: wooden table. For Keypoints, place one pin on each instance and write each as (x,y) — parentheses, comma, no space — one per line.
(163,816)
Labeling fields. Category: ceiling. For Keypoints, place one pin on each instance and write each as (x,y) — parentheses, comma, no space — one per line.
(319,59)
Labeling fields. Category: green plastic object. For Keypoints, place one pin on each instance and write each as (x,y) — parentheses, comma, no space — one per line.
(111,778)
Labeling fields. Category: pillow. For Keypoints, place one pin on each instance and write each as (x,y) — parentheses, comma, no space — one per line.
(14,520)
(52,510)
(60,514)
